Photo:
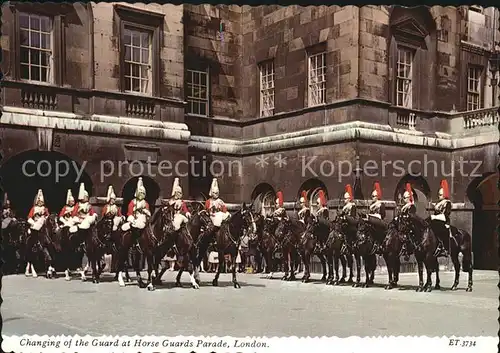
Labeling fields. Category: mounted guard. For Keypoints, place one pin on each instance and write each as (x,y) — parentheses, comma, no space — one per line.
(38,213)
(280,212)
(182,214)
(66,215)
(217,208)
(138,212)
(442,212)
(301,215)
(8,215)
(322,211)
(409,207)
(111,210)
(348,212)
(84,214)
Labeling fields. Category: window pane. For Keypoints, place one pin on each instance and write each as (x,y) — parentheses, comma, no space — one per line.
(45,24)
(144,72)
(45,57)
(24,20)
(25,72)
(135,85)
(127,84)
(145,39)
(203,93)
(35,57)
(44,74)
(145,56)
(45,41)
(136,40)
(25,52)
(24,37)
(127,37)
(35,23)
(35,39)
(128,56)
(136,52)
(35,73)
(203,80)
(203,108)
(135,70)
(144,85)
(196,78)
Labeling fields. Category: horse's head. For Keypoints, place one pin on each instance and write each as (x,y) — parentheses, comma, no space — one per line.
(248,219)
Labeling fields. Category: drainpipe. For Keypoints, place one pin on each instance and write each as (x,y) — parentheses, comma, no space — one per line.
(91,45)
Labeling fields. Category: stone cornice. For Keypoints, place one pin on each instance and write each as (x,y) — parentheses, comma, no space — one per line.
(98,124)
(338,133)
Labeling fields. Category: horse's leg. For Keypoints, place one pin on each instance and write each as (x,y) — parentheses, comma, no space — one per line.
(350,263)
(420,264)
(28,269)
(429,267)
(150,259)
(294,261)
(397,268)
(357,258)
(329,262)
(467,266)
(336,260)
(137,266)
(438,281)
(306,255)
(286,263)
(344,261)
(120,265)
(268,255)
(322,260)
(367,271)
(233,261)
(179,273)
(192,269)
(215,281)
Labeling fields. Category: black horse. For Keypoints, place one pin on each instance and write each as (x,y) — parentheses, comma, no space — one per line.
(227,238)
(313,242)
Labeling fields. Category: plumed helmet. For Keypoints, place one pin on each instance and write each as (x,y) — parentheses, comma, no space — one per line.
(348,192)
(377,190)
(279,199)
(444,189)
(69,197)
(176,187)
(111,194)
(303,197)
(214,188)
(408,193)
(321,198)
(140,188)
(39,196)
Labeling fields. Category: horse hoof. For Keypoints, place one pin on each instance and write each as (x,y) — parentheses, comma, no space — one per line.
(350,280)
(387,287)
(178,284)
(428,289)
(284,278)
(237,285)
(468,289)
(454,287)
(419,289)
(197,286)
(215,283)
(437,287)
(151,287)
(354,285)
(323,279)
(67,278)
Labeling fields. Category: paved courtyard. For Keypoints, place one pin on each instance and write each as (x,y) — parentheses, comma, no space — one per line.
(261,307)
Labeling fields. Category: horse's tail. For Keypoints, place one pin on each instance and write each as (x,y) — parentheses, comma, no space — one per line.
(466,250)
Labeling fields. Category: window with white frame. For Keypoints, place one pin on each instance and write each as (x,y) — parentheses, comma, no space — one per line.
(267,88)
(474,88)
(317,79)
(197,92)
(36,60)
(404,75)
(137,59)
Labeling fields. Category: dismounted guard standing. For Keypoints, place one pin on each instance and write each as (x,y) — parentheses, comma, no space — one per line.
(215,205)
(182,213)
(138,212)
(111,209)
(67,212)
(280,211)
(322,211)
(38,213)
(8,215)
(442,212)
(303,207)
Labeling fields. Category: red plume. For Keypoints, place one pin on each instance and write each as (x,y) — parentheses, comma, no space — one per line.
(377,188)
(348,189)
(408,188)
(304,195)
(322,198)
(446,190)
(279,196)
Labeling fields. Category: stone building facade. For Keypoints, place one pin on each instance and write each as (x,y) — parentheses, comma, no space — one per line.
(272,98)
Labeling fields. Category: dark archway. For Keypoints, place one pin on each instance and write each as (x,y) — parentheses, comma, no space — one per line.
(55,175)
(152,192)
(312,187)
(263,195)
(421,192)
(484,195)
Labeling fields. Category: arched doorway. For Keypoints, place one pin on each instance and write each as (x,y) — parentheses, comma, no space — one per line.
(421,193)
(263,196)
(51,171)
(484,195)
(152,192)
(312,187)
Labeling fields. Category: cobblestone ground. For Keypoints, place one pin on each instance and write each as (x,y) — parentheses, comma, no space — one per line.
(261,307)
